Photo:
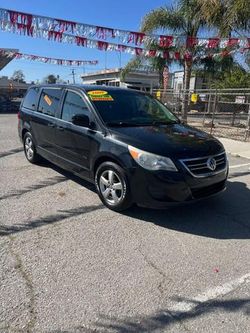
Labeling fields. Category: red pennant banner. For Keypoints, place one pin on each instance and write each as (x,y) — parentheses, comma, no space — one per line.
(232,42)
(136,38)
(152,53)
(55,35)
(81,34)
(166,41)
(166,55)
(66,25)
(104,33)
(138,51)
(23,21)
(177,56)
(102,45)
(213,43)
(191,42)
(54,61)
(30,24)
(81,41)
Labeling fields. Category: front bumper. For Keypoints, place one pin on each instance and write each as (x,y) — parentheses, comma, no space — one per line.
(162,188)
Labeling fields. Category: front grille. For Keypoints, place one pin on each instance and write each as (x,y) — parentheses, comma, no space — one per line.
(198,167)
(208,190)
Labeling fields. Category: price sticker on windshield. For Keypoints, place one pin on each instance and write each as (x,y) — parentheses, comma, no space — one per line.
(99,95)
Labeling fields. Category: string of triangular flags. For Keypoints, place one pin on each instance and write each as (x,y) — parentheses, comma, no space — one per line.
(135,43)
(53,61)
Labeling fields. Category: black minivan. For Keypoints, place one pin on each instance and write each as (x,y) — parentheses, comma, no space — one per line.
(126,142)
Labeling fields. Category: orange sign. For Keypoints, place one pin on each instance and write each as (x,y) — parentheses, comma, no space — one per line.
(47,100)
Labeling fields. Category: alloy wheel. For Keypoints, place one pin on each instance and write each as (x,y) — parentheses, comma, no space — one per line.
(111,187)
(29,149)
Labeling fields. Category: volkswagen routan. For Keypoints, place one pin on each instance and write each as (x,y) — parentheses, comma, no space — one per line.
(127,143)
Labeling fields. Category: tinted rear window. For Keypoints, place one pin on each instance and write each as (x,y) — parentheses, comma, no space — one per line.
(30,99)
(49,101)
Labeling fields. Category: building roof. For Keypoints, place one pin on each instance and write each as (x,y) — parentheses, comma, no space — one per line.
(117,71)
(4,60)
(86,87)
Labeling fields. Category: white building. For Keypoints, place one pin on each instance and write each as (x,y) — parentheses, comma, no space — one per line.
(178,80)
(139,80)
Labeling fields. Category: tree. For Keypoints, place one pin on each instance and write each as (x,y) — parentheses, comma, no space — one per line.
(237,77)
(212,69)
(51,78)
(157,64)
(188,17)
(185,19)
(18,76)
(227,15)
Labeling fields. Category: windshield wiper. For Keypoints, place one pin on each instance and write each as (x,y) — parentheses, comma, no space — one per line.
(125,124)
(130,124)
(159,122)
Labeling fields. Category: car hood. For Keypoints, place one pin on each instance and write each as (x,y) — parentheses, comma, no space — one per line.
(176,141)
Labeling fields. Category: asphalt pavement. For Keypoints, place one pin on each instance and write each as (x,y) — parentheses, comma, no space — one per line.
(70,265)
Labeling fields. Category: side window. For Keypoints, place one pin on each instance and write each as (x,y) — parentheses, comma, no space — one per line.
(73,104)
(30,98)
(49,101)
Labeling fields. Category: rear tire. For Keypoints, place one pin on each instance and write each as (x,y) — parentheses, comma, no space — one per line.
(113,187)
(30,149)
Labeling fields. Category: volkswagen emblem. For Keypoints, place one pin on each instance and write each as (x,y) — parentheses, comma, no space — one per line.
(211,164)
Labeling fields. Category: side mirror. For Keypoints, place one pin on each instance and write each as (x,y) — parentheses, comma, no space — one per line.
(81,120)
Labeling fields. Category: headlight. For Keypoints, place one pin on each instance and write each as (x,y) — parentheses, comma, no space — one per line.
(151,161)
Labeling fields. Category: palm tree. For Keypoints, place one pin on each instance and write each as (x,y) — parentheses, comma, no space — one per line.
(227,16)
(185,19)
(157,64)
(188,17)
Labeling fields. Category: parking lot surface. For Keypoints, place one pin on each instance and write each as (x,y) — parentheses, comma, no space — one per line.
(68,264)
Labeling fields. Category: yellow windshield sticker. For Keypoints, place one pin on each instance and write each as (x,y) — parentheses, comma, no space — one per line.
(97,92)
(99,95)
(47,100)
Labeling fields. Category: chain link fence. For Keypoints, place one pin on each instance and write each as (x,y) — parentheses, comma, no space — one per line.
(223,113)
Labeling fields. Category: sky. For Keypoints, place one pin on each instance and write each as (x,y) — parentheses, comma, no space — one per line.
(125,15)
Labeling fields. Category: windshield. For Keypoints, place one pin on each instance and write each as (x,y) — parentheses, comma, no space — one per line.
(125,108)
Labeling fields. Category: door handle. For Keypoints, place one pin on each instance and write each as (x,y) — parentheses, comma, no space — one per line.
(60,128)
(51,125)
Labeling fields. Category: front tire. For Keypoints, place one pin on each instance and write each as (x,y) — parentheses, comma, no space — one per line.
(30,149)
(113,186)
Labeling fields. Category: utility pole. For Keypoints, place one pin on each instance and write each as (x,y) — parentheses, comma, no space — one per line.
(120,59)
(247,134)
(73,75)
(105,60)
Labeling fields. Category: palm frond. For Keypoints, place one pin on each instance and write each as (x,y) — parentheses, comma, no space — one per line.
(133,64)
(238,14)
(163,18)
(227,16)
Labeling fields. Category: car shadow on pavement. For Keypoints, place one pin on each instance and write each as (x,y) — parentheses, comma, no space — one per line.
(67,174)
(225,216)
